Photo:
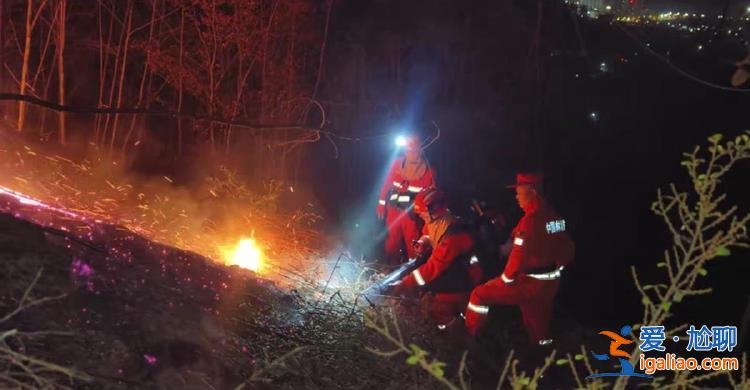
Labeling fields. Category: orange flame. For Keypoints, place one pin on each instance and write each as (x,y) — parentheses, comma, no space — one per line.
(245,254)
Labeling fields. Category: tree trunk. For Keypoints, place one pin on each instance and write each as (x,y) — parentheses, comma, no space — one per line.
(143,78)
(25,67)
(99,133)
(179,94)
(61,69)
(123,67)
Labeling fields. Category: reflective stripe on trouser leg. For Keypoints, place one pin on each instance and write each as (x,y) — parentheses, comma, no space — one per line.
(474,321)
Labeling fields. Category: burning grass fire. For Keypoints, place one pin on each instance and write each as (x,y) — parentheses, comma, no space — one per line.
(83,193)
(245,254)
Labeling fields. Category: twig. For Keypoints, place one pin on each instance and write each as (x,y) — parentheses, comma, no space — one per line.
(26,303)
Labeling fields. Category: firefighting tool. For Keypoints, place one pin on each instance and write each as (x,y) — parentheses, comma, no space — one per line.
(395,276)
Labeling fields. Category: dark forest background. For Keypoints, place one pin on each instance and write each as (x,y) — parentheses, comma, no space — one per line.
(512,85)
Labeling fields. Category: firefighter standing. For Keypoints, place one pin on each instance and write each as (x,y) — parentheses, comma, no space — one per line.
(406,178)
(541,248)
(451,270)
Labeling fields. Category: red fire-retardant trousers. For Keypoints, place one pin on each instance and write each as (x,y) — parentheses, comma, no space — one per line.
(445,307)
(402,229)
(534,297)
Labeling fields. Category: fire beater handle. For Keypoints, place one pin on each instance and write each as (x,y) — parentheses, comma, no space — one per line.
(384,284)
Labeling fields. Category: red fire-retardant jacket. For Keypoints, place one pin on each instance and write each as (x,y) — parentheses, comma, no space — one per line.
(398,184)
(540,241)
(449,264)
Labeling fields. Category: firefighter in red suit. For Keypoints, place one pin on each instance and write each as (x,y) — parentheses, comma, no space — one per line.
(540,248)
(451,270)
(406,178)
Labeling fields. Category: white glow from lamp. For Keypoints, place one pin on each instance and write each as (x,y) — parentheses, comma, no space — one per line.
(401,141)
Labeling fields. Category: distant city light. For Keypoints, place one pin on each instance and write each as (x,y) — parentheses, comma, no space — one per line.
(603,66)
(609,8)
(594,116)
(748,9)
(700,47)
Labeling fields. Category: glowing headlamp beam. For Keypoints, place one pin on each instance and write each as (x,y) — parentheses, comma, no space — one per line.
(401,141)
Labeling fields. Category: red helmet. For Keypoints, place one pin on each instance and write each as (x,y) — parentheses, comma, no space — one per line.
(430,200)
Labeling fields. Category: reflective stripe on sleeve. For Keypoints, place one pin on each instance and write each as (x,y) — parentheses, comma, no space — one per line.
(418,277)
(506,279)
(479,309)
(414,189)
(404,198)
(518,241)
(547,276)
(473,260)
(394,196)
(397,184)
(381,202)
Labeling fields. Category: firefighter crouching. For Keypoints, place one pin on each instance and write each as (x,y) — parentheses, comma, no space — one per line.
(451,270)
(406,178)
(541,248)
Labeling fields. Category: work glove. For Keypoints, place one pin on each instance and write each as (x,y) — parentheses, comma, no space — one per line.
(419,247)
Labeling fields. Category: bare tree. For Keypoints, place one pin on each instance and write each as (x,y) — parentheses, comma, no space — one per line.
(62,16)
